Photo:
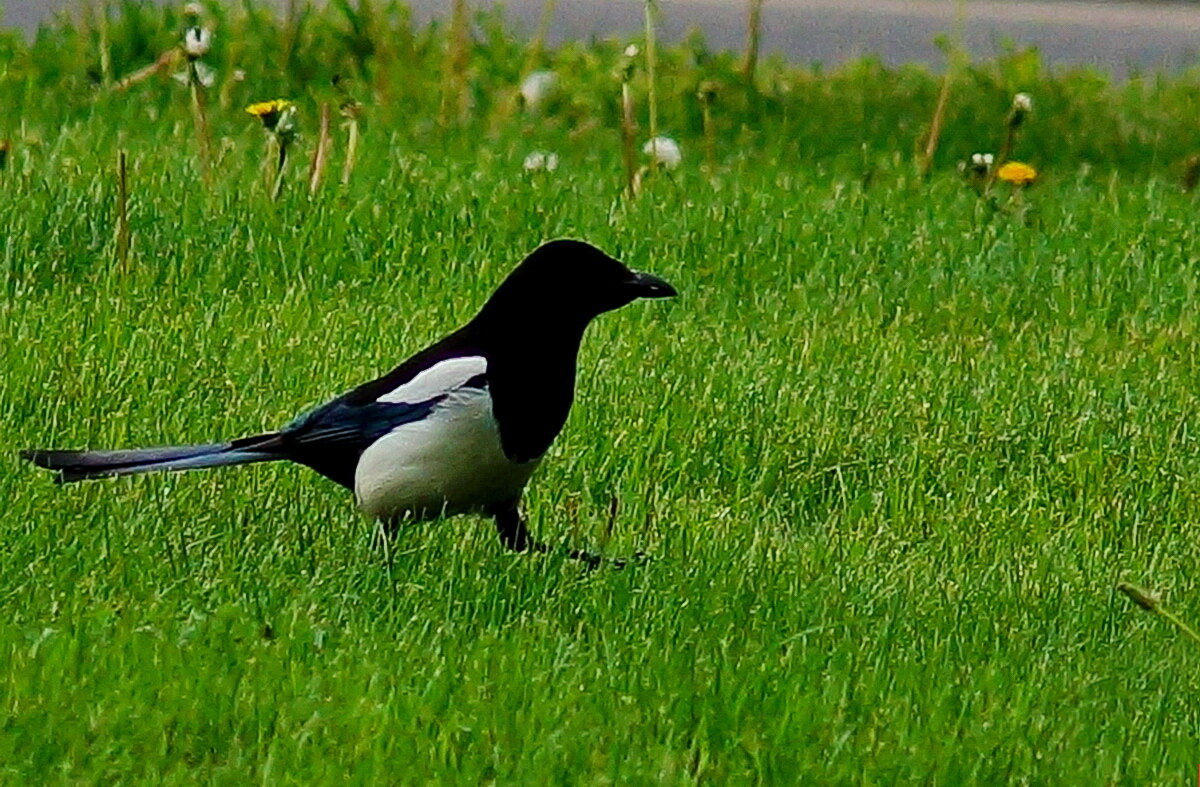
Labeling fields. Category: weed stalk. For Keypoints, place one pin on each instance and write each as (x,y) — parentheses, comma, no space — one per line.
(320,152)
(753,36)
(1151,603)
(122,240)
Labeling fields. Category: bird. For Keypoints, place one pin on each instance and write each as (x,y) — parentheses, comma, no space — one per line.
(459,427)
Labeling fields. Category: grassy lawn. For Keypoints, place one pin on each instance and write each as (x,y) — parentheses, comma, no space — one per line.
(891,449)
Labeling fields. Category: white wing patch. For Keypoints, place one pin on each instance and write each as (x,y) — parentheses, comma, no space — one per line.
(441,378)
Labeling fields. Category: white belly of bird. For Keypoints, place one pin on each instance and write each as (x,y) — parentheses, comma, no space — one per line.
(450,462)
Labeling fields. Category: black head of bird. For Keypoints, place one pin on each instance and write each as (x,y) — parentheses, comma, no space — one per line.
(564,284)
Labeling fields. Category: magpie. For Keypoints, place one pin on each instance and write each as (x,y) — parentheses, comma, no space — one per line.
(457,428)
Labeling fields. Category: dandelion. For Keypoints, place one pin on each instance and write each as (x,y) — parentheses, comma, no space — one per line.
(978,170)
(541,160)
(981,163)
(196,42)
(1022,105)
(197,76)
(271,112)
(1017,173)
(664,152)
(278,118)
(538,88)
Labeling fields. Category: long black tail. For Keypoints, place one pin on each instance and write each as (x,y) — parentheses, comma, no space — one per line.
(83,465)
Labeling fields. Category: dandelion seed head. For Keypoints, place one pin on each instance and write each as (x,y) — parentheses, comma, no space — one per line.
(197,41)
(982,160)
(1023,102)
(631,50)
(663,151)
(538,87)
(541,160)
(193,9)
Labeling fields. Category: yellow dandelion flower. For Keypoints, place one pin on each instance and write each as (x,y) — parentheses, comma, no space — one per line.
(1017,173)
(269,111)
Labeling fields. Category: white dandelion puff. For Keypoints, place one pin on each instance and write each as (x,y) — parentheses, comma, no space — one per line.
(663,151)
(541,160)
(538,88)
(197,41)
(1023,102)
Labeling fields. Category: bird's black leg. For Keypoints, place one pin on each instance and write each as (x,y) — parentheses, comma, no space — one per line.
(514,535)
(510,525)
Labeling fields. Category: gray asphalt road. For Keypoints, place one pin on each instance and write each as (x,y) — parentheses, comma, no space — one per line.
(1117,37)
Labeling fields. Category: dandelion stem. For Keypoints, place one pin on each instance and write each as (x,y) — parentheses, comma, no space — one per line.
(710,134)
(1006,147)
(320,152)
(122,240)
(280,164)
(1184,627)
(200,118)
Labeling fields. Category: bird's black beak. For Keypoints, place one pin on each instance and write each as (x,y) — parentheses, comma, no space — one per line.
(646,285)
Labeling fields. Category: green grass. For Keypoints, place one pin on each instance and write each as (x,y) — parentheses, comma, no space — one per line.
(891,450)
